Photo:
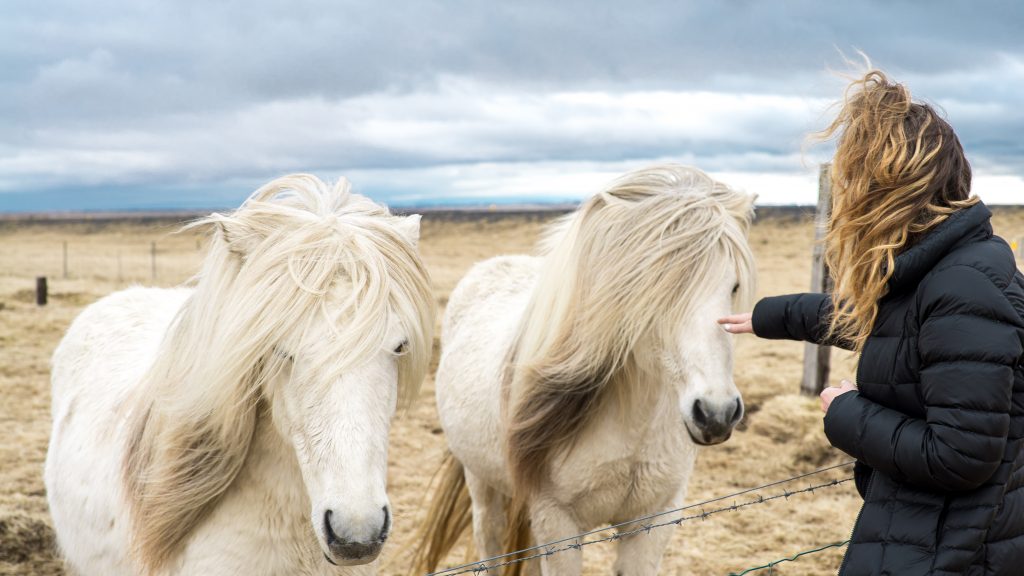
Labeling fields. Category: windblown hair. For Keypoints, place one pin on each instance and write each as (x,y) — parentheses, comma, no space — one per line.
(898,171)
(631,263)
(271,268)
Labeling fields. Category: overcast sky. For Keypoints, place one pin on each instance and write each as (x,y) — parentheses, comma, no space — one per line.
(144,104)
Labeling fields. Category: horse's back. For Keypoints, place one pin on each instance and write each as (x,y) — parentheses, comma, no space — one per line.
(487,286)
(480,321)
(94,370)
(111,333)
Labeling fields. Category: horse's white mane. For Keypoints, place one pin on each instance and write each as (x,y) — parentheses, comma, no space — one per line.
(632,259)
(296,250)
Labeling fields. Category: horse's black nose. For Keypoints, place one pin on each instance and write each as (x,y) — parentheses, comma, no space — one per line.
(346,549)
(715,421)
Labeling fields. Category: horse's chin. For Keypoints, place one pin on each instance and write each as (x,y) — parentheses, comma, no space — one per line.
(352,553)
(336,560)
(699,439)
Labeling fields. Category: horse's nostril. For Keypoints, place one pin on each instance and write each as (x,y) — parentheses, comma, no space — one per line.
(737,412)
(332,538)
(386,528)
(699,417)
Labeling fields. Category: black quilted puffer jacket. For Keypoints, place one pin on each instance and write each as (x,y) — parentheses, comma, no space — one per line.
(938,421)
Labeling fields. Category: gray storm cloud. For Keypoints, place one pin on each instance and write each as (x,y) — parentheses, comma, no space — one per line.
(103,97)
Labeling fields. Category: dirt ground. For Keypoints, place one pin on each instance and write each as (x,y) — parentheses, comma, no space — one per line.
(779,437)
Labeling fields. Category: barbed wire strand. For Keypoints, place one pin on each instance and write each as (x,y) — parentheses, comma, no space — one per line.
(576,542)
(771,565)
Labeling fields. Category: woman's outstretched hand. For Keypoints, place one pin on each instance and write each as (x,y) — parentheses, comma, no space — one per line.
(737,324)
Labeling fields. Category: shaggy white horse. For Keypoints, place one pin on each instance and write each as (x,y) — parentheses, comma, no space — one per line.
(575,387)
(240,426)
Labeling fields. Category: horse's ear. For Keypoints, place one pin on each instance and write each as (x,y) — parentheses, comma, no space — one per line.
(409,227)
(752,206)
(239,239)
(744,211)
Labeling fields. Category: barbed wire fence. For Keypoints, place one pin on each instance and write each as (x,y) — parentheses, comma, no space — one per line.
(645,524)
(771,565)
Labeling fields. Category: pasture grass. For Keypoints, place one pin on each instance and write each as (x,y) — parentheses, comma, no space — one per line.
(779,437)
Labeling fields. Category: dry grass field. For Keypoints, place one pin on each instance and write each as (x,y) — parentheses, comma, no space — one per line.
(779,437)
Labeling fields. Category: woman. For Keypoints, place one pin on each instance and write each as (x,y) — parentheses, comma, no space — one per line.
(933,302)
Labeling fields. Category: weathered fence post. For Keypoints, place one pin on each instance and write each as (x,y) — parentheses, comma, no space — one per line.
(41,290)
(152,259)
(817,358)
(65,259)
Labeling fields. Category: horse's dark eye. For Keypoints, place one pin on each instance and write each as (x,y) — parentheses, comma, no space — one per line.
(736,288)
(401,348)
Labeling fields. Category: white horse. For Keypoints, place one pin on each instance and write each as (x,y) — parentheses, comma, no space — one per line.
(575,387)
(240,426)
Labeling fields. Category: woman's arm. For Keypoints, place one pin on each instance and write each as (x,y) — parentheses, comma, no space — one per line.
(969,345)
(795,317)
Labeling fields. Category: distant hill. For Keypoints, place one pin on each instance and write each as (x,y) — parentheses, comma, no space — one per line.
(468,212)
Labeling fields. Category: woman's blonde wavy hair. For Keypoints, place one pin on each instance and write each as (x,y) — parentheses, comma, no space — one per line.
(898,171)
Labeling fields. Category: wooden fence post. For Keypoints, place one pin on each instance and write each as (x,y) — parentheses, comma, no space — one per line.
(41,292)
(65,259)
(152,259)
(817,359)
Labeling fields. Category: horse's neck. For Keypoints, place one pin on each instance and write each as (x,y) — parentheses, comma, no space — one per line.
(642,444)
(637,413)
(271,468)
(268,496)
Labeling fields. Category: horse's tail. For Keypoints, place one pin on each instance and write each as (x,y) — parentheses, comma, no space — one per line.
(449,516)
(518,534)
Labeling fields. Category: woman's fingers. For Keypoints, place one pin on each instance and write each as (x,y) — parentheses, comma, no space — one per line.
(829,394)
(741,328)
(737,324)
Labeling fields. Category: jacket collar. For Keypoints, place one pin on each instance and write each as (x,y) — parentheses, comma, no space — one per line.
(962,227)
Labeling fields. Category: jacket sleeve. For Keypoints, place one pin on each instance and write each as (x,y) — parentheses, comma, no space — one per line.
(969,345)
(796,317)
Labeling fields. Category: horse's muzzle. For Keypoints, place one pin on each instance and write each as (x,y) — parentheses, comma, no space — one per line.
(346,552)
(713,424)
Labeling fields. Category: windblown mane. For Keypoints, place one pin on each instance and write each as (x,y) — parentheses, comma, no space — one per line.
(270,267)
(631,262)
